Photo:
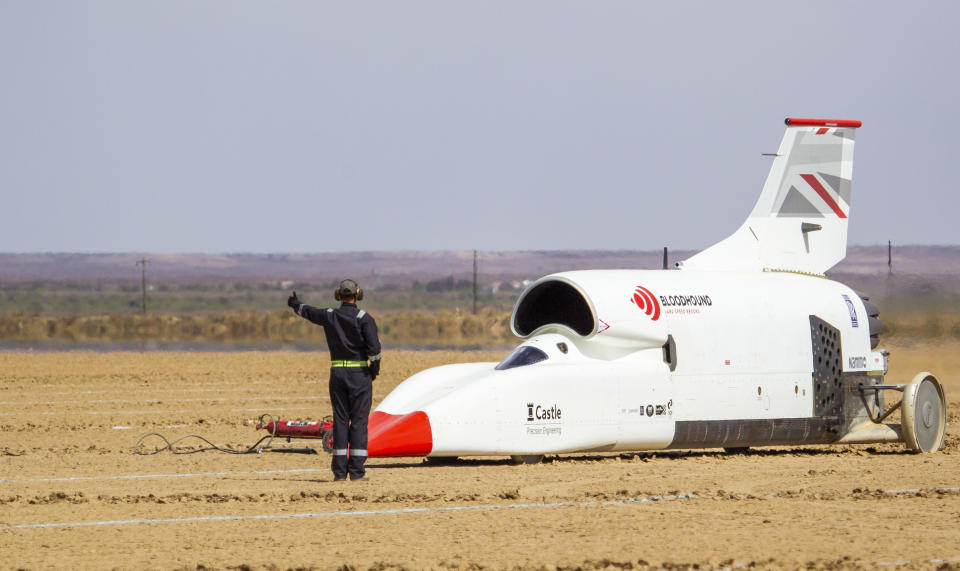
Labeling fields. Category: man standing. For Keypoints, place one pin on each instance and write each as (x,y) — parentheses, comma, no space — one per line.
(352,339)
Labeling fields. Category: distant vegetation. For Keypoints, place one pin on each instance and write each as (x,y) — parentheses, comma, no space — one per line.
(276,328)
(418,298)
(90,297)
(436,313)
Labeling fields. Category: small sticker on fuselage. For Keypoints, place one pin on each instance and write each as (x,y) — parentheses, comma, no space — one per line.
(857,362)
(854,322)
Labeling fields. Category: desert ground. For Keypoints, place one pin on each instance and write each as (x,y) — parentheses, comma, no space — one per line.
(73,494)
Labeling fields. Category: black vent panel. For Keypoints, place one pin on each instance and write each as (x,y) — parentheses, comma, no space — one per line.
(827,369)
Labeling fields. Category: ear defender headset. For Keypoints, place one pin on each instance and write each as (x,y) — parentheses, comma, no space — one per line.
(348,288)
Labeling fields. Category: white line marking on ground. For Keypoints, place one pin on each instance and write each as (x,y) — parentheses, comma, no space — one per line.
(397,511)
(161,411)
(172,390)
(149,476)
(162,390)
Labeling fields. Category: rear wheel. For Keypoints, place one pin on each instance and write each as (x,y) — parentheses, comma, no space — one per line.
(327,441)
(924,414)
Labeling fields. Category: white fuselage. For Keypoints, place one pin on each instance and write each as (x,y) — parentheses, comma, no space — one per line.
(695,359)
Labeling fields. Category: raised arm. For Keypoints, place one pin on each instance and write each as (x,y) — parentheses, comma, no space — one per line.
(308,312)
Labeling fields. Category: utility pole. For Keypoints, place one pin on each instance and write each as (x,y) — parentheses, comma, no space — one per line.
(474,282)
(889,257)
(665,266)
(142,262)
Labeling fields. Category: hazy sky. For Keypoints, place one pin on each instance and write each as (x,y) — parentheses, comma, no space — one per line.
(232,126)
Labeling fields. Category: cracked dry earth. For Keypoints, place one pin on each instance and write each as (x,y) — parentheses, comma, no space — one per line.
(74,495)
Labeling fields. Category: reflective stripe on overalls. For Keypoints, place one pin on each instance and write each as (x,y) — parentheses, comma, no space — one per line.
(348,364)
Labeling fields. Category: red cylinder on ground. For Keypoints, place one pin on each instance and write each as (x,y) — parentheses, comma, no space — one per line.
(299,428)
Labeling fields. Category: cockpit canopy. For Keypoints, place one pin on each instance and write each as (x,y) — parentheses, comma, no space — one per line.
(522,355)
(553,302)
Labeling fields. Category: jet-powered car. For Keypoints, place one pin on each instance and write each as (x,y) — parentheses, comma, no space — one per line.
(744,344)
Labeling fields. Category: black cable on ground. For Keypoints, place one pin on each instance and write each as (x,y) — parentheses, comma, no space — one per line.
(168,445)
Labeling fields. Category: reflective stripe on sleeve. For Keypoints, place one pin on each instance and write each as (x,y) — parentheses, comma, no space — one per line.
(376,357)
(358,452)
(300,309)
(343,452)
(361,314)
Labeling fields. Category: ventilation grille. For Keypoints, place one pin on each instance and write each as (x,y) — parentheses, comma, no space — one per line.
(827,369)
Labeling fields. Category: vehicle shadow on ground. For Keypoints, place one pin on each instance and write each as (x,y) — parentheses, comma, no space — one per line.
(434,463)
(676,455)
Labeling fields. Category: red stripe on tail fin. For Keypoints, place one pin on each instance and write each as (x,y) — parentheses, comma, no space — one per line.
(815,184)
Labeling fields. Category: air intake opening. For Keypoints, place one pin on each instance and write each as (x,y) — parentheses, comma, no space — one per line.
(553,302)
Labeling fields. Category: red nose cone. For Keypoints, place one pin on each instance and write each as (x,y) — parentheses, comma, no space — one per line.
(399,434)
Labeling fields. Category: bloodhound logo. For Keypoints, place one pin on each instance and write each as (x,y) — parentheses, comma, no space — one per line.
(647,302)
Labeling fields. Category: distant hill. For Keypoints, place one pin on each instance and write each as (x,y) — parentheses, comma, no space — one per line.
(936,262)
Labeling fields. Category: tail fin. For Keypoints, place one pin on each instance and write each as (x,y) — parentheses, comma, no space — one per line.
(800,221)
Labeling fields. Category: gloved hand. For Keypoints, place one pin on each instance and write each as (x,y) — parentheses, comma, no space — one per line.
(374,369)
(293,302)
